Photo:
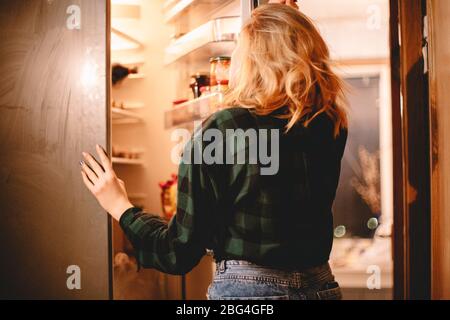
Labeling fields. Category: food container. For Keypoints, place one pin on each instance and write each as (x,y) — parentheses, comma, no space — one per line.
(220,68)
(199,82)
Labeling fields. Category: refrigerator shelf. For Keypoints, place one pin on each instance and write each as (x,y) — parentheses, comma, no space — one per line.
(193,110)
(174,9)
(168,4)
(216,37)
(123,116)
(126,161)
(136,76)
(129,60)
(126,121)
(125,11)
(121,41)
(131,106)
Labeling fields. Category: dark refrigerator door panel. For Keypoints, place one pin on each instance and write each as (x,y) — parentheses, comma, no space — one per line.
(53,105)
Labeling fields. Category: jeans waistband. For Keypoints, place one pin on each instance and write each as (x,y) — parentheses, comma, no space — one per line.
(245,270)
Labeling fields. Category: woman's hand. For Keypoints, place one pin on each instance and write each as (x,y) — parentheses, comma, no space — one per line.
(102,181)
(291,3)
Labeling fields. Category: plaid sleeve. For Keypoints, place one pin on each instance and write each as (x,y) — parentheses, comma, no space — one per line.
(176,247)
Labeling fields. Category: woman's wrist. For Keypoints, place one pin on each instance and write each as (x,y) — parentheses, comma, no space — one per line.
(120,209)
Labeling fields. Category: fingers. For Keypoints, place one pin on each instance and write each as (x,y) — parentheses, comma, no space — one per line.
(87,182)
(89,172)
(104,159)
(93,164)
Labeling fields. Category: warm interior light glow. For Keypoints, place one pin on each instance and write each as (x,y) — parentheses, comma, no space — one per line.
(89,74)
(119,43)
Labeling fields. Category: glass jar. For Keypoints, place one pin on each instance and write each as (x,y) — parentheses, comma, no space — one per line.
(219,75)
(199,83)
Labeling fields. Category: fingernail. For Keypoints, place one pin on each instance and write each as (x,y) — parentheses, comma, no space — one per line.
(84,154)
(81,163)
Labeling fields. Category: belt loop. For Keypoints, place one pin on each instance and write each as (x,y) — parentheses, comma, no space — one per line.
(222,266)
(298,279)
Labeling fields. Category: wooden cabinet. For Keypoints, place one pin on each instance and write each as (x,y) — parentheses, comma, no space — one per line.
(439,59)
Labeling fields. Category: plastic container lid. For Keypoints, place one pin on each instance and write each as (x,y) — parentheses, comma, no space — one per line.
(219,58)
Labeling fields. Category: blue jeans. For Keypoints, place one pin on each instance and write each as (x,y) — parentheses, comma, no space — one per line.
(242,280)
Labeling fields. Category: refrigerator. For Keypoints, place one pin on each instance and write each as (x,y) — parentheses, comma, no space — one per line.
(57,100)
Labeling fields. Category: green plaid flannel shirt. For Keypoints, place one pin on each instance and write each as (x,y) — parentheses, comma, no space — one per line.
(238,213)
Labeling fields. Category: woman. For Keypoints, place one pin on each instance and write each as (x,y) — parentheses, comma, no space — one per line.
(271,234)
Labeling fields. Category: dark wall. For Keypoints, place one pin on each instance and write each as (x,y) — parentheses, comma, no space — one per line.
(53,105)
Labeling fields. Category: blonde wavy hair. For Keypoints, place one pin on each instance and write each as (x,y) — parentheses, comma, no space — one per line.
(282,60)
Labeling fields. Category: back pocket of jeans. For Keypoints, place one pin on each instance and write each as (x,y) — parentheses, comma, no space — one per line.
(330,294)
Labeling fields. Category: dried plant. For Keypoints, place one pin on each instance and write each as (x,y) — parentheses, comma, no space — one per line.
(367,183)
